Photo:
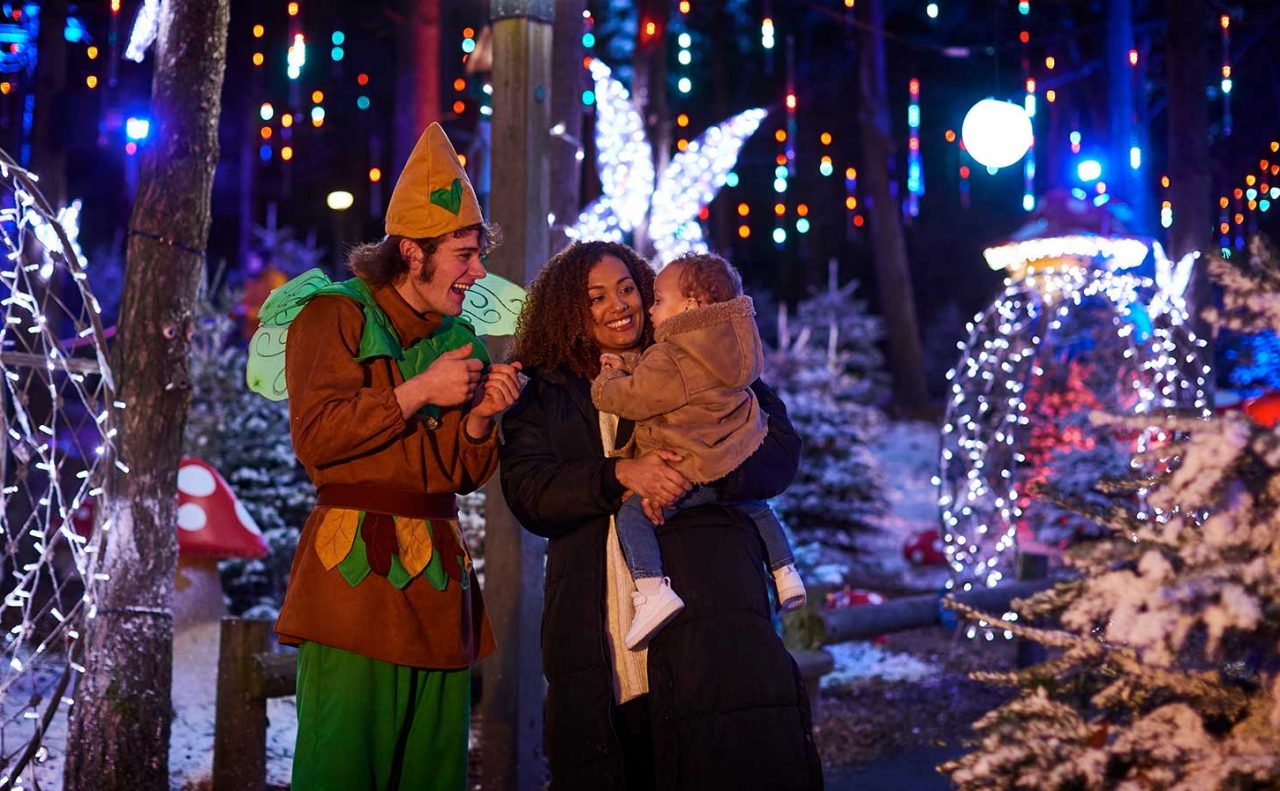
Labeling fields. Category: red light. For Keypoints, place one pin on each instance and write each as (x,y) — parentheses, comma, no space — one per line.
(858,221)
(704,213)
(458,107)
(362,79)
(1024,37)
(914,87)
(131,148)
(459,84)
(964,171)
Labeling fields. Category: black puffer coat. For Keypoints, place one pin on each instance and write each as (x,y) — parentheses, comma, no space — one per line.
(727,702)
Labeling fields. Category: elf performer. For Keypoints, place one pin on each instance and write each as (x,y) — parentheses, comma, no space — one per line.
(392,403)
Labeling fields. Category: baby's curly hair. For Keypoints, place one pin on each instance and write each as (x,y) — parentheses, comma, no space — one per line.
(547,337)
(707,277)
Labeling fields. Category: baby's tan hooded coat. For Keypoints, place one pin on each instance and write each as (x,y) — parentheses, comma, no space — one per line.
(689,392)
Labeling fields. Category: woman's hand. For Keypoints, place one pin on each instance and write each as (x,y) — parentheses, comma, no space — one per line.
(651,477)
(498,390)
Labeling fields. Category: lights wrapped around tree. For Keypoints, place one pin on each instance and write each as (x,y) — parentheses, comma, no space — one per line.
(1066,338)
(60,431)
(625,163)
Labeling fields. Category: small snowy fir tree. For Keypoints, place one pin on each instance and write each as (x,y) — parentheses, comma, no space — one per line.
(828,370)
(1164,669)
(246,438)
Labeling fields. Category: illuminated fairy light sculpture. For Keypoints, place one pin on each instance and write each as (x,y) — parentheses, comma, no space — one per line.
(1120,338)
(58,420)
(146,26)
(633,192)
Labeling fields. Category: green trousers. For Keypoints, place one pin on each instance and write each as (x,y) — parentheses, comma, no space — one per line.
(365,725)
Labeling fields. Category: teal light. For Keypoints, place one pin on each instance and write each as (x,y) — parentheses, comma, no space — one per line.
(338,38)
(826,168)
(336,53)
(468,45)
(802,225)
(731,180)
(363,102)
(588,98)
(779,185)
(1264,204)
(780,172)
(588,40)
(779,235)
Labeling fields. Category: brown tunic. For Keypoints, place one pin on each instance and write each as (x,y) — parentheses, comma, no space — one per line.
(347,429)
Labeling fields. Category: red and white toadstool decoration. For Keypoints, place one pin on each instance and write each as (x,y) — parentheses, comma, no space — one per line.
(211,521)
(924,548)
(212,525)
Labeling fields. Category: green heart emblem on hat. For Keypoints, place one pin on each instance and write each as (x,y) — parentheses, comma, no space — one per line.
(449,199)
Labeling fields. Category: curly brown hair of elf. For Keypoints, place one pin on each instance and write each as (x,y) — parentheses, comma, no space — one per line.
(380,263)
(546,335)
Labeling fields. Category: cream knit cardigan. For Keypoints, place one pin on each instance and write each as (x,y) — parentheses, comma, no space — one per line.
(630,668)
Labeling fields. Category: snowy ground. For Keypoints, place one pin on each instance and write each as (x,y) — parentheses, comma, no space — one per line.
(195,679)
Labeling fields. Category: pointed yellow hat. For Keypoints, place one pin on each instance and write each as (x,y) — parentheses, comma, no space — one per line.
(433,197)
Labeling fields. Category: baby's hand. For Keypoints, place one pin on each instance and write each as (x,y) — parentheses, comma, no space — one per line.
(608,360)
(653,511)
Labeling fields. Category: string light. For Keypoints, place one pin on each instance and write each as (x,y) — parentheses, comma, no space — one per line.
(297,56)
(1226,84)
(61,456)
(915,171)
(767,39)
(983,465)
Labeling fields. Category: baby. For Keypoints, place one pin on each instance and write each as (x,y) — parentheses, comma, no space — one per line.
(689,393)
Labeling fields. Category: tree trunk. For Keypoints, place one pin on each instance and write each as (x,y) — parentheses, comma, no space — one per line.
(566,108)
(120,723)
(418,86)
(49,122)
(888,243)
(1128,184)
(1189,185)
(649,92)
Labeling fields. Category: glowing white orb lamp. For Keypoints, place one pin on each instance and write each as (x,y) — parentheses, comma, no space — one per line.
(996,133)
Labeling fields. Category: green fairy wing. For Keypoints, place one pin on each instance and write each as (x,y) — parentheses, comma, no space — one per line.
(492,305)
(264,372)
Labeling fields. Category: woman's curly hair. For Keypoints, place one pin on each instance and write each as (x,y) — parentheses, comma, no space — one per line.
(547,337)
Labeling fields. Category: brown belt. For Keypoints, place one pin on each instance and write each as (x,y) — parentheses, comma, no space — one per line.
(381,500)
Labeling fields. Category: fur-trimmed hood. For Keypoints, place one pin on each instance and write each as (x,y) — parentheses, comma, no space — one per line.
(736,309)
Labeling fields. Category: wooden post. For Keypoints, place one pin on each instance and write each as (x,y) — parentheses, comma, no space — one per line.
(511,707)
(240,721)
(567,82)
(1031,567)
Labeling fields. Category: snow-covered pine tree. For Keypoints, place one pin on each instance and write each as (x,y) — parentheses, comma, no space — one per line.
(828,369)
(246,438)
(1165,643)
